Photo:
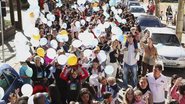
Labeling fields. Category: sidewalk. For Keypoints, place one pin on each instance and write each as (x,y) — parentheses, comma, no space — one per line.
(10,53)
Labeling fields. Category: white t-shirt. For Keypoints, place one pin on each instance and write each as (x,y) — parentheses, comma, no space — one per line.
(129,56)
(157,87)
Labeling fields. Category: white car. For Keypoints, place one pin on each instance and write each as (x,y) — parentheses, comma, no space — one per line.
(169,48)
(137,11)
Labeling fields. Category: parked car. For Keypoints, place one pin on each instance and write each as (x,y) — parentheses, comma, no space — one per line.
(9,80)
(149,21)
(137,11)
(169,49)
(133,3)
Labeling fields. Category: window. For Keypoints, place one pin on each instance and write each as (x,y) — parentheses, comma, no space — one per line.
(166,39)
(6,78)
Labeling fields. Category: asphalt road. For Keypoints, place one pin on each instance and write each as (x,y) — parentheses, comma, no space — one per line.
(170,71)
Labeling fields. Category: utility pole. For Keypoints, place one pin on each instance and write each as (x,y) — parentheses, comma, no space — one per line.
(179,25)
(2,31)
(157,8)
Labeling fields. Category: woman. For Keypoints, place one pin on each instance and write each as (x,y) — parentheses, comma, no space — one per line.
(73,75)
(173,80)
(54,94)
(85,97)
(149,56)
(39,74)
(169,13)
(113,56)
(178,91)
(129,96)
(143,86)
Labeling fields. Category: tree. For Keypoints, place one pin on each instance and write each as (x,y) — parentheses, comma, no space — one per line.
(157,8)
(180,16)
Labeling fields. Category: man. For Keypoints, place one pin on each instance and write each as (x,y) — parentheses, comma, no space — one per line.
(158,84)
(130,61)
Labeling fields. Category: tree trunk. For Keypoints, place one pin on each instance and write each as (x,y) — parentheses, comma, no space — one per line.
(157,8)
(179,26)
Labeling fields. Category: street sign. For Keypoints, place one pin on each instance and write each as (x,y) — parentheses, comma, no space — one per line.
(3,8)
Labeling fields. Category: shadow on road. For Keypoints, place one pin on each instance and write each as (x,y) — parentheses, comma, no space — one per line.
(170,71)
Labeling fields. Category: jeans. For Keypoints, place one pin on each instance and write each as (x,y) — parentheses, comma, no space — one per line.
(132,69)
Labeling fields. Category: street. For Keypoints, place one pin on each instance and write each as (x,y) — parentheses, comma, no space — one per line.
(77,46)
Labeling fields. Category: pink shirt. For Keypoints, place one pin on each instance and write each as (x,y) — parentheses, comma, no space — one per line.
(177,96)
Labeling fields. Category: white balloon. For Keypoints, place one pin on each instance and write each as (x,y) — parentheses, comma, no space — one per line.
(82,22)
(119,11)
(106,24)
(87,53)
(97,31)
(43,41)
(52,17)
(102,56)
(81,36)
(35,31)
(109,69)
(62,59)
(77,24)
(29,72)
(19,36)
(48,16)
(88,19)
(51,53)
(59,38)
(81,2)
(114,37)
(54,44)
(33,2)
(124,21)
(1,93)
(27,30)
(116,30)
(27,90)
(94,42)
(93,80)
(49,23)
(34,43)
(64,25)
(44,20)
(65,38)
(77,43)
(113,8)
(96,9)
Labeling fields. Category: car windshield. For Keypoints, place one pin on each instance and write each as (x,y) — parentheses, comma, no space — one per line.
(137,10)
(134,4)
(166,39)
(149,23)
(6,79)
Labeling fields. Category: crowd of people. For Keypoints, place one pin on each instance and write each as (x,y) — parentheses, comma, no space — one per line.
(89,72)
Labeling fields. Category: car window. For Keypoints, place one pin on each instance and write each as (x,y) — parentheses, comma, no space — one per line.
(6,79)
(134,4)
(3,82)
(150,23)
(137,10)
(166,39)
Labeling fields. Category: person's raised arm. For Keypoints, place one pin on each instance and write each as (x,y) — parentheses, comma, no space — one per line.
(173,91)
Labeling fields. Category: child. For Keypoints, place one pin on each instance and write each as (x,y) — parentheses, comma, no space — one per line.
(107,98)
(113,86)
(26,77)
(138,97)
(103,87)
(73,75)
